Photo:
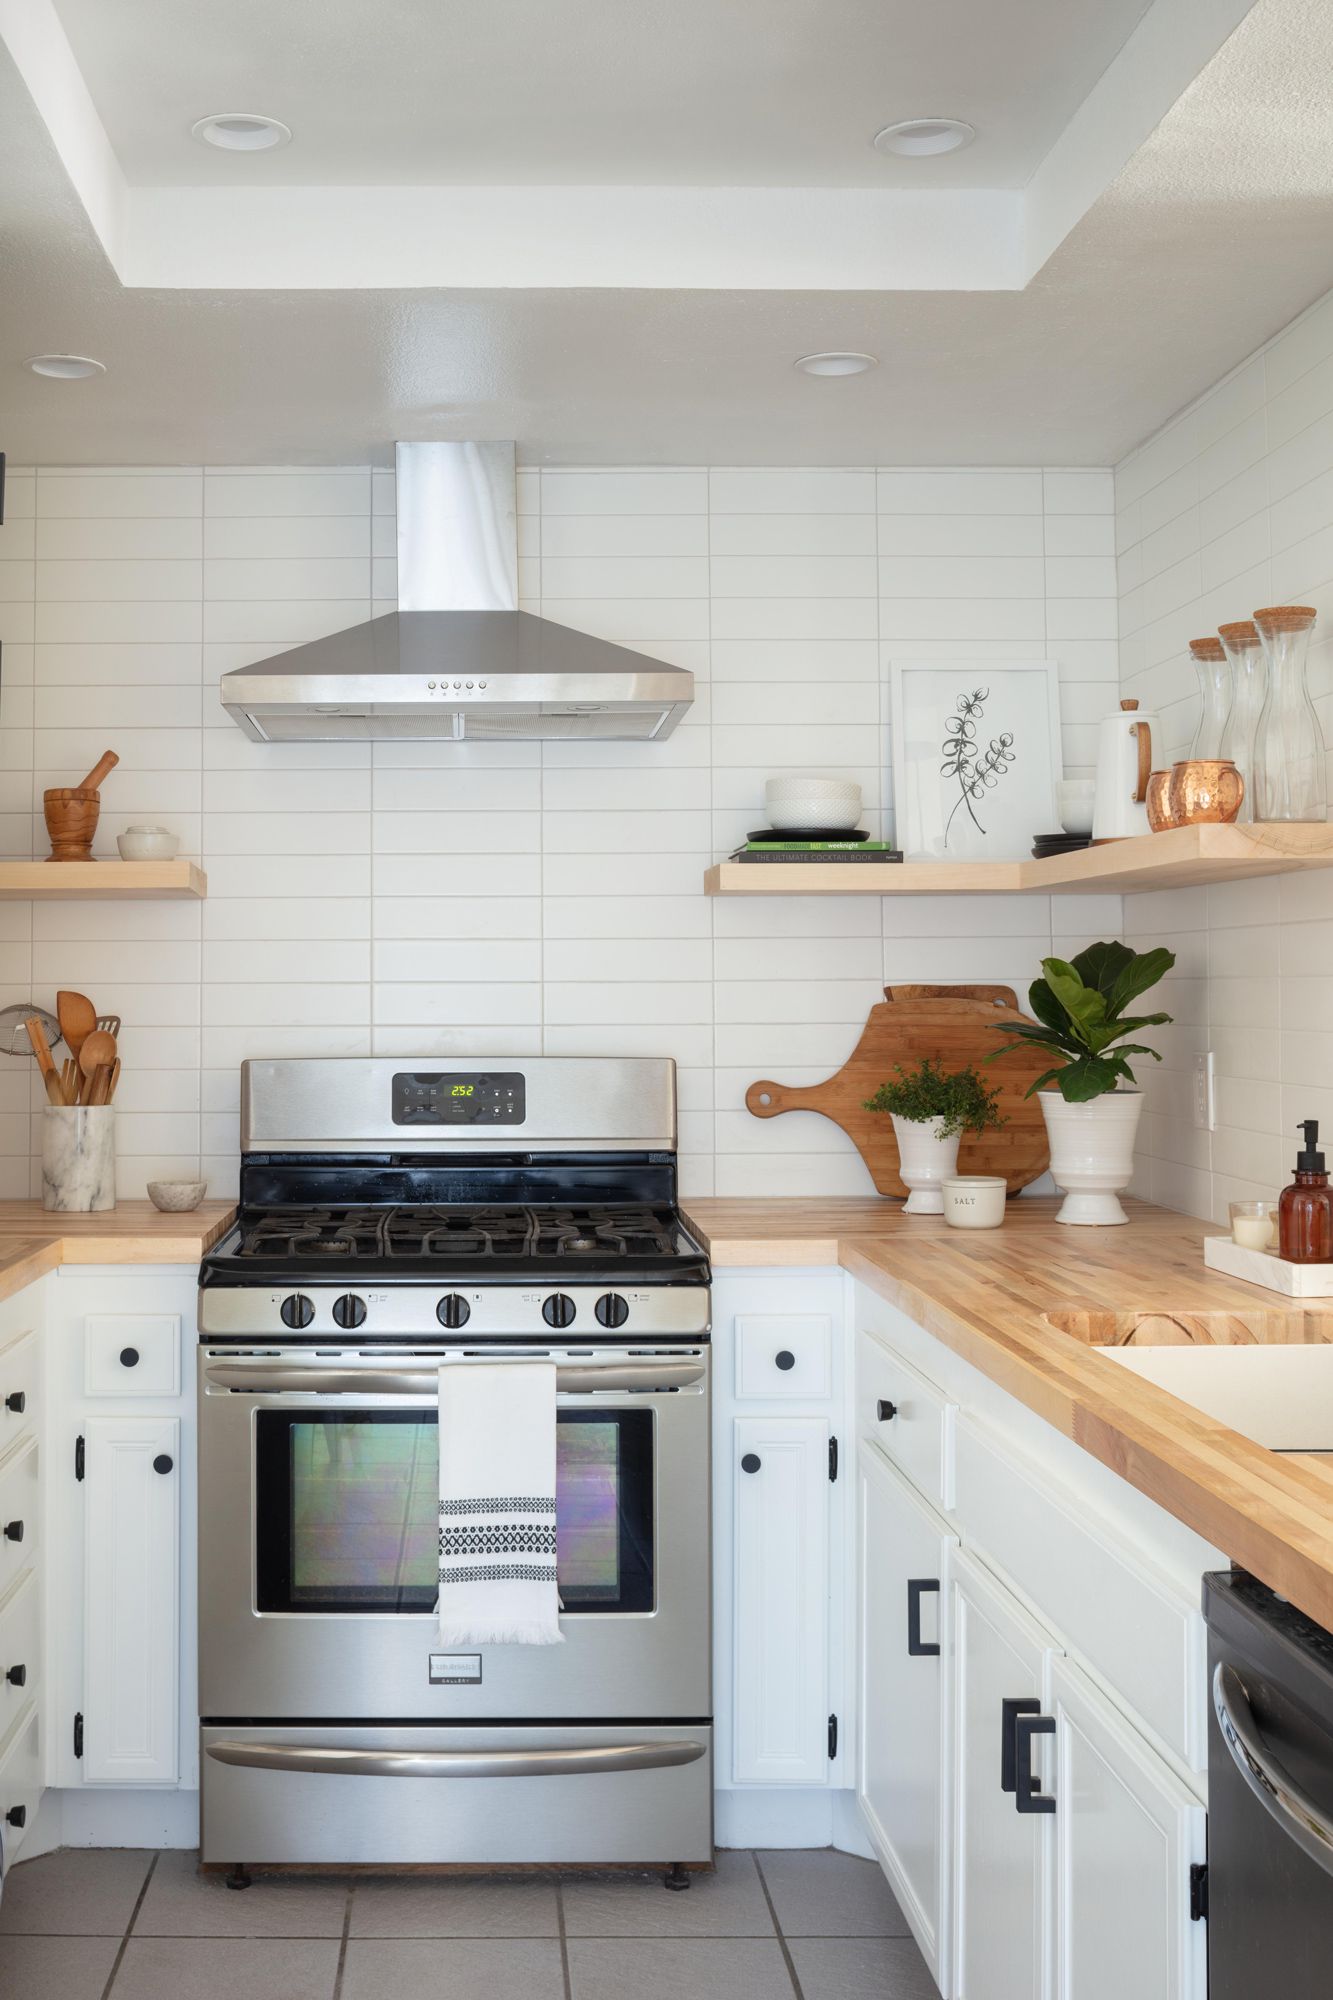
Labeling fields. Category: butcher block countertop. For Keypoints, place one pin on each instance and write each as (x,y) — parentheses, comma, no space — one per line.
(134,1232)
(992,1295)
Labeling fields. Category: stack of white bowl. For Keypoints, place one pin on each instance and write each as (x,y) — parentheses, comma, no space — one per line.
(822,805)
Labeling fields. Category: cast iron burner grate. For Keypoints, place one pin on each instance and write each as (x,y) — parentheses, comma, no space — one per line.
(442,1234)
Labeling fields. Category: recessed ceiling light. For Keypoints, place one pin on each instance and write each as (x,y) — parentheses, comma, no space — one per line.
(837,364)
(915,137)
(66,367)
(241,131)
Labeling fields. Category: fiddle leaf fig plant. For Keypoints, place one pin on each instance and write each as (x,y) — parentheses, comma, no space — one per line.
(958,1098)
(1080,1005)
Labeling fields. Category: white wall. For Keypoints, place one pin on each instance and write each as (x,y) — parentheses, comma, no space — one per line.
(440,899)
(1230,508)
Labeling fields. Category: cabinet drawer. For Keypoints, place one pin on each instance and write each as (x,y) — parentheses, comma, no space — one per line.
(20,1785)
(20,1388)
(132,1354)
(906,1416)
(784,1354)
(18,1514)
(20,1657)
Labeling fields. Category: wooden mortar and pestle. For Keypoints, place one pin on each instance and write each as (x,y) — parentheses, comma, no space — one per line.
(71,813)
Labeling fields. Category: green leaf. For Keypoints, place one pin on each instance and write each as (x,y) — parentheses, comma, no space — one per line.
(1142,972)
(1082,1081)
(1047,1076)
(1084,1005)
(1045,1005)
(1102,965)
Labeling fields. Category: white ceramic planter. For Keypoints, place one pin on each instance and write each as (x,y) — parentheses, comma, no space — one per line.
(925,1161)
(1092,1152)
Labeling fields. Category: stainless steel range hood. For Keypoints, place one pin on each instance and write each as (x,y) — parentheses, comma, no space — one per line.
(457,659)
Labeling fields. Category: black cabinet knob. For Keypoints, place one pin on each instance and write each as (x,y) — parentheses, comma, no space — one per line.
(453,1310)
(13,1531)
(349,1310)
(558,1310)
(885,1410)
(751,1462)
(17,1676)
(17,1816)
(17,1403)
(297,1311)
(129,1357)
(784,1359)
(611,1310)
(163,1462)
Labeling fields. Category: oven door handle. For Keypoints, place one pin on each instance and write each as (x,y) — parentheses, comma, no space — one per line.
(534,1763)
(258,1379)
(1276,1790)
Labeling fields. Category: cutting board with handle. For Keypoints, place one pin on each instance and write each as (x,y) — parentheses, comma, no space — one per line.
(955,1025)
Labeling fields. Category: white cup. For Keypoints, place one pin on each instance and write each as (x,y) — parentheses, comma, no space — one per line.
(975,1201)
(1073,802)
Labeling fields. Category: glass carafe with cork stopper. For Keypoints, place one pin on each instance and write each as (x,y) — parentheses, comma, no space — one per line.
(1214,671)
(1290,775)
(1249,684)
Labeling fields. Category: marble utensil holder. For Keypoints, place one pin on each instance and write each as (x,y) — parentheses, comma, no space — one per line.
(79,1157)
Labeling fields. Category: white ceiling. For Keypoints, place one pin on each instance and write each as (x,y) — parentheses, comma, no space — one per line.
(1215,233)
(745,93)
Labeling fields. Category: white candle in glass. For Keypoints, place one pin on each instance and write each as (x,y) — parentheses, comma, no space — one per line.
(1252,1232)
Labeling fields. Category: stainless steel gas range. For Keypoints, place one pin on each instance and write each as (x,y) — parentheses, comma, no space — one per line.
(397,1217)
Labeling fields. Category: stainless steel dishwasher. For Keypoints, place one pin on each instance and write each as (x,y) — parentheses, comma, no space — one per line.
(1270,1795)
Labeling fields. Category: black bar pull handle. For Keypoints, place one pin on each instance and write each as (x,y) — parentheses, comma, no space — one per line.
(916,1588)
(1009,1713)
(1028,1795)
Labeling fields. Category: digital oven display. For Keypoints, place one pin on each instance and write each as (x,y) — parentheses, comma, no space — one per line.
(458,1097)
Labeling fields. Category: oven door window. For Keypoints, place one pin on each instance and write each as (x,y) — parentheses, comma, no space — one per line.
(347,1511)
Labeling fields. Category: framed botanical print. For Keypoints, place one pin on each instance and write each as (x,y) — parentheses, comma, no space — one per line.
(976,755)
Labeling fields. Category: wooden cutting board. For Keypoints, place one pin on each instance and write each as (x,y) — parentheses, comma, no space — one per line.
(955,1025)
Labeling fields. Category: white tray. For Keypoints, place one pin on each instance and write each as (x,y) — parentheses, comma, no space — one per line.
(1264,1267)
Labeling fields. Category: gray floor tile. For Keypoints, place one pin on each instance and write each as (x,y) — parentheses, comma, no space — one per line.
(678,1969)
(730,1902)
(862,1969)
(183,1903)
(199,1968)
(455,1906)
(469,1968)
(818,1892)
(55,1968)
(80,1892)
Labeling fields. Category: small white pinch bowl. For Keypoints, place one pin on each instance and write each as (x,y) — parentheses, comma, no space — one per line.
(175,1197)
(147,843)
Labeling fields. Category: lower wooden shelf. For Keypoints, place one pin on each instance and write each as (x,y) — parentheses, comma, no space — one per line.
(1182,857)
(39,881)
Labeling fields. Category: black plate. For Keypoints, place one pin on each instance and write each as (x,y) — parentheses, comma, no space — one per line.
(809,833)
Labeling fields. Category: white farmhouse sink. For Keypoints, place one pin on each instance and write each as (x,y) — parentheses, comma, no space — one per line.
(1281,1396)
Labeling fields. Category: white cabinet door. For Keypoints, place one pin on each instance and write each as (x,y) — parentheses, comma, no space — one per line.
(902,1766)
(780,1489)
(1126,1834)
(131,1623)
(1001,1856)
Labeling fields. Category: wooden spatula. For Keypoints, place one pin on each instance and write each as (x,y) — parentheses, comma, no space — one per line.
(77,1017)
(45,1062)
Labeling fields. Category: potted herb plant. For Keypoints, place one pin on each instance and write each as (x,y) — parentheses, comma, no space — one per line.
(931,1108)
(1092,1112)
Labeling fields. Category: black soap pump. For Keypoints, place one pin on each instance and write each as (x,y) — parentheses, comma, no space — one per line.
(1305,1209)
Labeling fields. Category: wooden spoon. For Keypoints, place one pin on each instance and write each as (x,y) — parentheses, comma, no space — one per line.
(106,762)
(98,1052)
(112,1079)
(77,1017)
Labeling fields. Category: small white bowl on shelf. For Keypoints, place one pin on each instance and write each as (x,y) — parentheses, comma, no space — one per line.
(147,843)
(819,815)
(799,785)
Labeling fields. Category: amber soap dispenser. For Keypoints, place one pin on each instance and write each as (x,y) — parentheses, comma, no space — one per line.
(1305,1208)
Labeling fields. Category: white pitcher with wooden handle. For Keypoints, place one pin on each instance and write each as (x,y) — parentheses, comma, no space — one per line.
(1126,744)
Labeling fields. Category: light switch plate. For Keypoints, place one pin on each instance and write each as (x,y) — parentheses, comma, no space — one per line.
(1205,1095)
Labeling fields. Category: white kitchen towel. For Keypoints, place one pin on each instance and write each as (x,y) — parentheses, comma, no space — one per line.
(497,1504)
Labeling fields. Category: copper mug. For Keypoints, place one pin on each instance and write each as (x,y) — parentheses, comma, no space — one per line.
(1158,802)
(1205,791)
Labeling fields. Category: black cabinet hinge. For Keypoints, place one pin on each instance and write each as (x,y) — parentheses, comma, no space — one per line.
(1198,1891)
(78,1458)
(833,1458)
(78,1735)
(832,1737)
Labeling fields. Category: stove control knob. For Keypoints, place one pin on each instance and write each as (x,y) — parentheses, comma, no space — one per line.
(349,1310)
(453,1310)
(611,1310)
(558,1310)
(296,1311)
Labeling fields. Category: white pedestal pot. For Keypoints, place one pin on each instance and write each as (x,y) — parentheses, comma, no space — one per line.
(925,1160)
(1092,1152)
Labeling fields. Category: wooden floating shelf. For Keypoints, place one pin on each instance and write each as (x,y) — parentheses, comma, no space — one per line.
(1181,858)
(40,881)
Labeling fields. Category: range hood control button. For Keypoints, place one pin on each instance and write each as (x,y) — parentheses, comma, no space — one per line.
(611,1310)
(453,1310)
(297,1311)
(349,1310)
(558,1310)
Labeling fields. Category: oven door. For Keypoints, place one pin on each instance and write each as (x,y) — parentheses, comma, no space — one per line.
(319,1542)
